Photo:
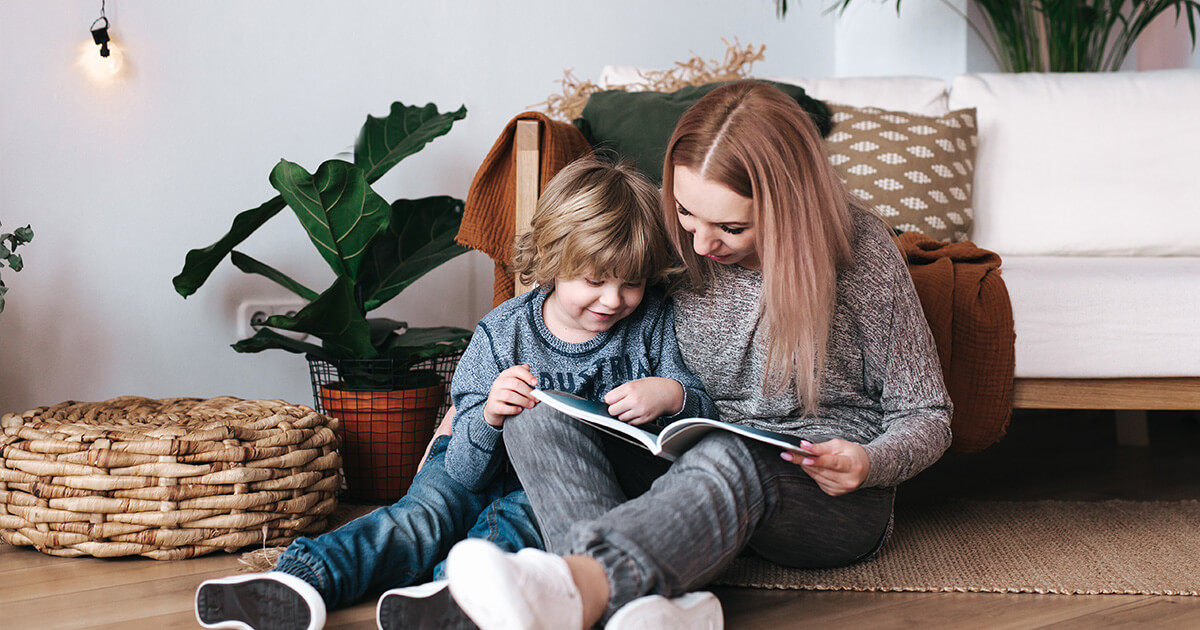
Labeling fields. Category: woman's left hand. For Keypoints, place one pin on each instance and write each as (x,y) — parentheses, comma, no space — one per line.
(838,466)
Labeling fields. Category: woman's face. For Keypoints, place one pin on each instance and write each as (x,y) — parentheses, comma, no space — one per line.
(720,221)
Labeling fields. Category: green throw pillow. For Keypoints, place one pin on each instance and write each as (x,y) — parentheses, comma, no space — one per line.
(638,125)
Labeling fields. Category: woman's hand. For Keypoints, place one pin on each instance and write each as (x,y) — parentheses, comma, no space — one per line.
(838,466)
(509,395)
(643,400)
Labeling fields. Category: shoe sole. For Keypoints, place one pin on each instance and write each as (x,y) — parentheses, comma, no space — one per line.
(484,588)
(435,611)
(253,603)
(698,610)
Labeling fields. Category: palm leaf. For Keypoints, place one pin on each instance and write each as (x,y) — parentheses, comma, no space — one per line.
(1060,35)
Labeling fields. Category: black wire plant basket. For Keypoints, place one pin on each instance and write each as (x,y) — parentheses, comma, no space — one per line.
(387,411)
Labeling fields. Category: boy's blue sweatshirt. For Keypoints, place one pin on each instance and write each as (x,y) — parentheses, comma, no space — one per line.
(643,344)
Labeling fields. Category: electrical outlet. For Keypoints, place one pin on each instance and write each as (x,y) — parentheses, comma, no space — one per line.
(252,314)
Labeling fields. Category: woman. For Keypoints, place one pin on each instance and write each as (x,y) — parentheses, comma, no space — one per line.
(800,318)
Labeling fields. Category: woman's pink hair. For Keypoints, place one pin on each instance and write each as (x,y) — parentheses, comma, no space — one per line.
(755,140)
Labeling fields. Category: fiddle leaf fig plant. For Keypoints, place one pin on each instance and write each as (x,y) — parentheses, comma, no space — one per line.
(9,242)
(374,248)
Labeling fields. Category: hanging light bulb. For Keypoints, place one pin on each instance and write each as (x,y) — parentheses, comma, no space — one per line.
(100,33)
(107,64)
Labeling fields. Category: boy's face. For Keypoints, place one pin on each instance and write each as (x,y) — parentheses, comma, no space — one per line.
(581,308)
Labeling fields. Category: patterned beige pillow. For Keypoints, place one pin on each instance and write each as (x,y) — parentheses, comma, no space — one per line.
(916,171)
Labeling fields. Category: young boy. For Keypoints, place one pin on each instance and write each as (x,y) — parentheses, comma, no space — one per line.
(591,329)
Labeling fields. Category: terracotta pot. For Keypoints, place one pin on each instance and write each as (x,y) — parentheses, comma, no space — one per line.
(383,436)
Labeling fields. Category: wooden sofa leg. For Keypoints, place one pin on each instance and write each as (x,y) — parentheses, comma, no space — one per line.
(1132,427)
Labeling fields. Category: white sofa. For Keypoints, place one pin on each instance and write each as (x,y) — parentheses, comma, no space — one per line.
(1088,186)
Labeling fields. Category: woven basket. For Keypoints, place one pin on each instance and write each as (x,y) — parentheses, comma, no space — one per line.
(167,479)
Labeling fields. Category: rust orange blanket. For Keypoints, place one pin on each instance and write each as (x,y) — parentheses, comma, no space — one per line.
(967,306)
(488,223)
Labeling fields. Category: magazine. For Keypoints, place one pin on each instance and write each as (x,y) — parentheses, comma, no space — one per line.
(667,442)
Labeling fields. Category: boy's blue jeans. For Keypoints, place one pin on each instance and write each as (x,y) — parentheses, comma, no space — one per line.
(406,543)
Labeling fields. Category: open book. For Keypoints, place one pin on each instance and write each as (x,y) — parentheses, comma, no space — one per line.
(667,442)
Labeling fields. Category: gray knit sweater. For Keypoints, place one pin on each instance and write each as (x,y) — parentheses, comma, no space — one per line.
(643,344)
(882,386)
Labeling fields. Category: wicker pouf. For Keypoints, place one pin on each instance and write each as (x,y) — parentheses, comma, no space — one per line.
(168,479)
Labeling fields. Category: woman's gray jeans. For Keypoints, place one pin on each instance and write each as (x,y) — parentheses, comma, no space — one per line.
(668,528)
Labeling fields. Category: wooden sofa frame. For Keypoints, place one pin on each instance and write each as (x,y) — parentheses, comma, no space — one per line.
(1028,393)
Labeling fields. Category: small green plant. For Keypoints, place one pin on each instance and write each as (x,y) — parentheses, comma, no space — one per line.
(9,242)
(374,248)
(1061,35)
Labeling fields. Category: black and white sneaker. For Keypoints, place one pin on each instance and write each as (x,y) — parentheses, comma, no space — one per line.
(260,601)
(421,607)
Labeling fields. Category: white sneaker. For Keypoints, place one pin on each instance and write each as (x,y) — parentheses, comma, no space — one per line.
(700,610)
(260,601)
(528,590)
(421,607)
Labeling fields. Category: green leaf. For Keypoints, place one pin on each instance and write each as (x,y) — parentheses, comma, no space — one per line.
(422,343)
(419,237)
(381,328)
(267,339)
(383,142)
(24,235)
(3,290)
(333,318)
(14,261)
(337,208)
(199,263)
(250,265)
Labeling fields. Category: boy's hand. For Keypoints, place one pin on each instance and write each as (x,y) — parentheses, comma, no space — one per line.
(509,395)
(643,400)
(838,467)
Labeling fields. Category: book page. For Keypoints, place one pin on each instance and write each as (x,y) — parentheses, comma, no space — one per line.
(682,434)
(596,414)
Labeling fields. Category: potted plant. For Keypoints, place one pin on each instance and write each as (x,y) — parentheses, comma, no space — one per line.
(1061,35)
(9,242)
(385,381)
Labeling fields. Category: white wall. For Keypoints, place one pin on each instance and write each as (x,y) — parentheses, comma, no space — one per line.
(120,180)
(926,38)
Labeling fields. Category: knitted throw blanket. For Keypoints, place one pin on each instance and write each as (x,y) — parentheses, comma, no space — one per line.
(488,223)
(967,306)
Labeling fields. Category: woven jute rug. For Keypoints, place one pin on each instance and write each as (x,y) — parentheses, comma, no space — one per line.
(1061,547)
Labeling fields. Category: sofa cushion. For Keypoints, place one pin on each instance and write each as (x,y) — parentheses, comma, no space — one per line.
(638,125)
(915,170)
(1098,164)
(1104,316)
(919,95)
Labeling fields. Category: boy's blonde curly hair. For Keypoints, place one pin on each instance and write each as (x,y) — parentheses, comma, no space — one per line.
(596,217)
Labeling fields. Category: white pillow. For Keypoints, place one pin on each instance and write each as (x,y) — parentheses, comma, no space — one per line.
(919,95)
(1103,164)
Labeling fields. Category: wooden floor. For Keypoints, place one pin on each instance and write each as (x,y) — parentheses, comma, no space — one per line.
(1060,455)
